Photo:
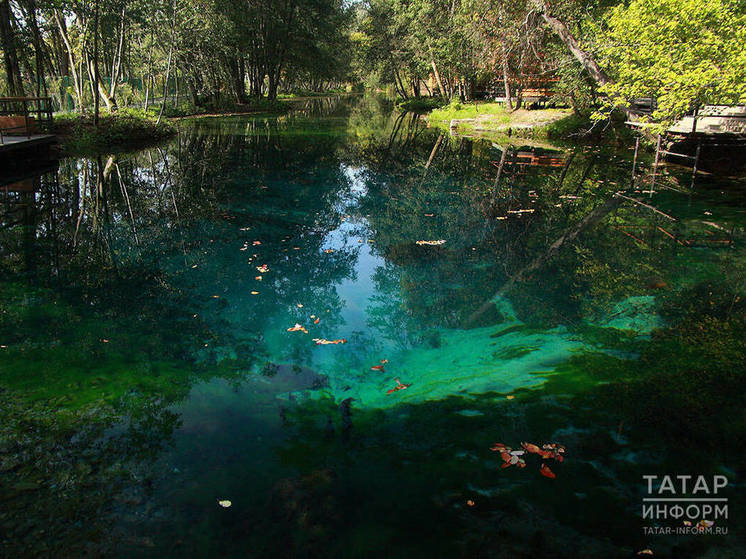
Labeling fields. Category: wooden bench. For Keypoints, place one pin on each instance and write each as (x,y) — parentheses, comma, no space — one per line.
(17,126)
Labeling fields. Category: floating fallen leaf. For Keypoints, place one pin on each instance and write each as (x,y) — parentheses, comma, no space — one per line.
(399,386)
(502,217)
(526,211)
(298,328)
(431,243)
(556,451)
(328,250)
(194,316)
(546,472)
(384,361)
(3,347)
(255,293)
(509,397)
(263,268)
(470,503)
(256,243)
(193,267)
(316,321)
(225,503)
(645,552)
(258,278)
(512,457)
(532,448)
(105,341)
(377,368)
(244,228)
(216,296)
(429,215)
(322,341)
(300,305)
(296,248)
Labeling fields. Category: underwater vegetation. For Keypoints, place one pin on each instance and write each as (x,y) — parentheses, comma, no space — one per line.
(302,336)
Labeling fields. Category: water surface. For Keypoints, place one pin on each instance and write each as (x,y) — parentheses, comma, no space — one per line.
(148,370)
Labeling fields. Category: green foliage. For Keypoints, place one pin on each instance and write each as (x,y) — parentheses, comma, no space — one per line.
(124,130)
(420,104)
(681,52)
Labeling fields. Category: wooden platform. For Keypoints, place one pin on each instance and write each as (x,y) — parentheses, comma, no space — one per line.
(15,143)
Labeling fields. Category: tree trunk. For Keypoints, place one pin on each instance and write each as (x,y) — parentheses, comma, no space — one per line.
(585,59)
(168,64)
(8,42)
(96,80)
(76,77)
(437,79)
(506,79)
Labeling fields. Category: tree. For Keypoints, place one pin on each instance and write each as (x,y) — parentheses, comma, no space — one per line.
(683,53)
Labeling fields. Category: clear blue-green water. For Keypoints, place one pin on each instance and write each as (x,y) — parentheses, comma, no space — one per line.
(147,371)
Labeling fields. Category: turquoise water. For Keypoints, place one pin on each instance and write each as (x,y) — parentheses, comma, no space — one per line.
(148,371)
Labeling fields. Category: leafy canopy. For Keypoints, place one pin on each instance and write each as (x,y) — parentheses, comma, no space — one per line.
(682,52)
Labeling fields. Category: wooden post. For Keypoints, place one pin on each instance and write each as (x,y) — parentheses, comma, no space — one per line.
(696,162)
(25,117)
(655,165)
(634,161)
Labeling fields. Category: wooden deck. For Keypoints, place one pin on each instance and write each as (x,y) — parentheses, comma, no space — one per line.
(12,144)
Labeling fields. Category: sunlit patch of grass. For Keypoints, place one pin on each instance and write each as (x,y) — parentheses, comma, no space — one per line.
(458,110)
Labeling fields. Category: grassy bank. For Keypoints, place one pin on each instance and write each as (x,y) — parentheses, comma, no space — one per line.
(123,130)
(494,117)
(135,128)
(538,124)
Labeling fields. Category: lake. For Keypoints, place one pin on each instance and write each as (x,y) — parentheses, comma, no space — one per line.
(308,336)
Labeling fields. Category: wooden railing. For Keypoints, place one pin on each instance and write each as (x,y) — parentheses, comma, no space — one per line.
(24,115)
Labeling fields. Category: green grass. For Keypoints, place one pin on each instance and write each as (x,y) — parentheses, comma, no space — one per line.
(470,110)
(125,129)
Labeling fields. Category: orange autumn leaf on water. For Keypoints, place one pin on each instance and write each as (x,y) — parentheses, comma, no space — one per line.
(470,503)
(384,361)
(555,451)
(377,368)
(328,251)
(298,328)
(263,268)
(533,449)
(316,321)
(322,341)
(546,472)
(399,386)
(547,451)
(256,243)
